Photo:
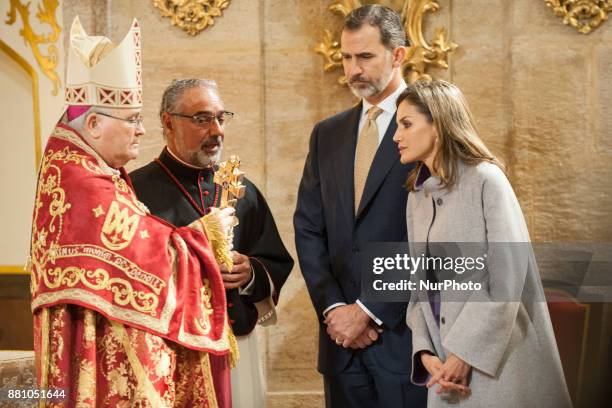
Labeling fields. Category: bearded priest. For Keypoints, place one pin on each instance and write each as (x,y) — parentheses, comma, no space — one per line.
(184,183)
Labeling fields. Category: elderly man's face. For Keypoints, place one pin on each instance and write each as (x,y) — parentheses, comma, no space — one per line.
(195,144)
(120,134)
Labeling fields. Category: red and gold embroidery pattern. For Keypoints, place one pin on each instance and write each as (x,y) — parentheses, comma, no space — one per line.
(83,252)
(101,363)
(203,323)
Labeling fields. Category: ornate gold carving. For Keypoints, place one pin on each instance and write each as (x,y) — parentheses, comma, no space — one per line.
(330,50)
(192,16)
(421,55)
(46,15)
(230,177)
(583,15)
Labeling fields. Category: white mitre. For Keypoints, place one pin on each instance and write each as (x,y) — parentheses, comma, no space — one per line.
(102,74)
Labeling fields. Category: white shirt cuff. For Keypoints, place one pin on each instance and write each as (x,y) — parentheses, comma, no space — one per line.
(248,289)
(332,307)
(372,316)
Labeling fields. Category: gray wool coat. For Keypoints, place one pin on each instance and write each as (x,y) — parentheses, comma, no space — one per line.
(508,340)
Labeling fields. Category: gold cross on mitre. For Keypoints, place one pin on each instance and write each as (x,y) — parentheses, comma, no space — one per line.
(230,177)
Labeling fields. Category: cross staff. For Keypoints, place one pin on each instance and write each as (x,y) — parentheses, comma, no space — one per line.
(229,177)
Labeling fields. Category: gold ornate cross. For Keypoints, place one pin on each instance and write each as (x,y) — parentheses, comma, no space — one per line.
(230,177)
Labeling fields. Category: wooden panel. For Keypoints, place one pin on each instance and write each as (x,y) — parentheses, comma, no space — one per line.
(16,317)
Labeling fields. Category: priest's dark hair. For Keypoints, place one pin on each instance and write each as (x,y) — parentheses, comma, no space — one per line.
(176,89)
(392,34)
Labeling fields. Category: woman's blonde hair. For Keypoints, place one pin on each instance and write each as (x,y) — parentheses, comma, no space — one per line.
(445,107)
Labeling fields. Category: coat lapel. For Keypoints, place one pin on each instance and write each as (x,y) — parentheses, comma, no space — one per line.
(344,160)
(386,156)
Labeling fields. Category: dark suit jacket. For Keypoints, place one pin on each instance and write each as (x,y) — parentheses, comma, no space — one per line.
(329,236)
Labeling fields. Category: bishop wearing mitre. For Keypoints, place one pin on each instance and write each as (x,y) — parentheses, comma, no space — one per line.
(129,310)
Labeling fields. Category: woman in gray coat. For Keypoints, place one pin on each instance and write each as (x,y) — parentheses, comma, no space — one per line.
(472,348)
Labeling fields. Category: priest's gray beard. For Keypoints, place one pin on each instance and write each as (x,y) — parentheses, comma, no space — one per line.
(199,158)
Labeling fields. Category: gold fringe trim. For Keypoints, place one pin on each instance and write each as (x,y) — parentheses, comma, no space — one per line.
(209,388)
(234,354)
(44,353)
(217,236)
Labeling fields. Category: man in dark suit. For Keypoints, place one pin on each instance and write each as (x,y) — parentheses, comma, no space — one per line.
(351,194)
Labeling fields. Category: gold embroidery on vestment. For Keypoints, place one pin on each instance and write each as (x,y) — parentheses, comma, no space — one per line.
(115,260)
(132,317)
(203,323)
(144,383)
(208,379)
(99,279)
(119,227)
(98,211)
(101,168)
(86,387)
(44,349)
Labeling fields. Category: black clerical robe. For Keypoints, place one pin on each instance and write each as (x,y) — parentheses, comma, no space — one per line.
(256,236)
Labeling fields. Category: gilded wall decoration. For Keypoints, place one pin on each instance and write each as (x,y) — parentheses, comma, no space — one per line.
(46,15)
(192,16)
(583,15)
(421,55)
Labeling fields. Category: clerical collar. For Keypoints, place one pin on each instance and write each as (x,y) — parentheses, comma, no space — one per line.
(181,169)
(184,163)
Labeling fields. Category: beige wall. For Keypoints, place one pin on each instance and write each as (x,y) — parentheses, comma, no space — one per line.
(28,110)
(539,90)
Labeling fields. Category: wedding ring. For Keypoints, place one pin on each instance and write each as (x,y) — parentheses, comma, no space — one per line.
(338,342)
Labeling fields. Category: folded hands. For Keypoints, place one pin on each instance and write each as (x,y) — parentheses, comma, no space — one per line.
(350,326)
(451,375)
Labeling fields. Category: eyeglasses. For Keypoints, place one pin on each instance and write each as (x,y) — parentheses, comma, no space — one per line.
(204,120)
(137,121)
